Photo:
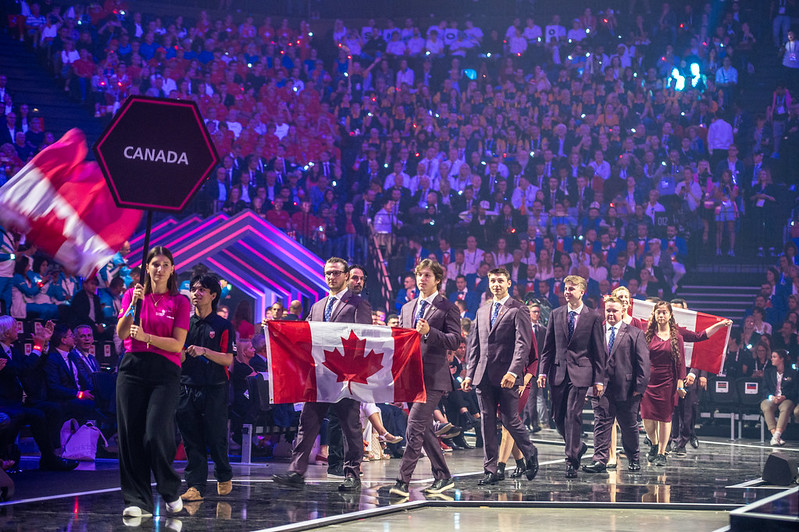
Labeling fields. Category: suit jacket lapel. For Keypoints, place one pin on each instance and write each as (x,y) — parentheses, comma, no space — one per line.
(340,305)
(484,313)
(564,322)
(616,341)
(503,309)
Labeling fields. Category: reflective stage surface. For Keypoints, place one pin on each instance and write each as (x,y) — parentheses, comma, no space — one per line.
(695,491)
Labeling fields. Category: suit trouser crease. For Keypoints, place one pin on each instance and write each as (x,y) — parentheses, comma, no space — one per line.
(419,434)
(348,413)
(567,409)
(626,413)
(147,398)
(202,421)
(507,399)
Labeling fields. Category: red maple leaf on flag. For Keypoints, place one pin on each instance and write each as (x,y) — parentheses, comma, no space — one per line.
(353,365)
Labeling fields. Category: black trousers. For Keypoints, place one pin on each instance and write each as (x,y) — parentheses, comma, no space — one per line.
(335,442)
(33,417)
(147,397)
(202,421)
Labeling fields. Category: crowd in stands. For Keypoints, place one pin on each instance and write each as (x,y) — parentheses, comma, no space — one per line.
(616,146)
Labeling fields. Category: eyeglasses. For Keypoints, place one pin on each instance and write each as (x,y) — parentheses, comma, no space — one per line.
(333,273)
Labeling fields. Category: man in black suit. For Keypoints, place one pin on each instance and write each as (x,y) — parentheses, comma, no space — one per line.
(498,351)
(437,320)
(573,359)
(341,306)
(86,308)
(626,377)
(538,418)
(14,367)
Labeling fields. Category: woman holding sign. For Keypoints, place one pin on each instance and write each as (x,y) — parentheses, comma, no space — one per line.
(148,387)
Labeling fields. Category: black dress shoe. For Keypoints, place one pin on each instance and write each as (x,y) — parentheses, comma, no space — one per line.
(583,449)
(680,451)
(55,463)
(571,472)
(400,489)
(536,428)
(694,442)
(531,467)
(350,484)
(487,480)
(634,465)
(292,480)
(595,467)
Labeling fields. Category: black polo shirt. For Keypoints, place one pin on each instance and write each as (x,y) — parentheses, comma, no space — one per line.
(215,333)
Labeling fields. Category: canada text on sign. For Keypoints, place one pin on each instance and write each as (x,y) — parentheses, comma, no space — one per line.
(156,153)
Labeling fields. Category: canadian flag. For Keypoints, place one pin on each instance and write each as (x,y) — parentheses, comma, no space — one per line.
(326,362)
(63,206)
(707,355)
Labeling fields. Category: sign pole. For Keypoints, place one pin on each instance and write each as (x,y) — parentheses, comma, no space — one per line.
(143,272)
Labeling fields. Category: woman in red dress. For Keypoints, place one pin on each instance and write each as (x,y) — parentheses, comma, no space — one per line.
(666,381)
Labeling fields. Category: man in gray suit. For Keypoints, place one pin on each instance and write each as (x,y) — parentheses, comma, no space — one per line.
(341,306)
(498,350)
(573,359)
(626,377)
(437,320)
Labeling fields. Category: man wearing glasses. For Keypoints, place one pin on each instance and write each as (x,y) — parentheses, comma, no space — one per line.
(341,306)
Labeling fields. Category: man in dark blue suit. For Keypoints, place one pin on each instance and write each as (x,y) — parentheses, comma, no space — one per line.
(573,360)
(66,377)
(462,293)
(626,378)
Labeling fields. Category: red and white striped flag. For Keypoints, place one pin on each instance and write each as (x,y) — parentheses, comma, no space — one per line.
(707,355)
(326,362)
(62,204)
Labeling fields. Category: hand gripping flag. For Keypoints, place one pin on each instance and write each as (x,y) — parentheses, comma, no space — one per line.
(61,202)
(707,355)
(326,362)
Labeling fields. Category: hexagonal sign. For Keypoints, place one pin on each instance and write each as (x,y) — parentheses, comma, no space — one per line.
(156,153)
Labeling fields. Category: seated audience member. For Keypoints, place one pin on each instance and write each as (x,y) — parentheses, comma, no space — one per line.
(15,366)
(87,308)
(84,342)
(780,388)
(26,295)
(68,383)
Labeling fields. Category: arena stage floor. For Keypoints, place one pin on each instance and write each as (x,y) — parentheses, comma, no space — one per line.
(694,492)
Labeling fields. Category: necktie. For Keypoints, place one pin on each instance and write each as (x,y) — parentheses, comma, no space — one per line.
(329,308)
(420,314)
(572,316)
(494,313)
(612,338)
(8,353)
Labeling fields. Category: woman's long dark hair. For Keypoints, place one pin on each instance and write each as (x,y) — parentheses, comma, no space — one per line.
(172,282)
(651,330)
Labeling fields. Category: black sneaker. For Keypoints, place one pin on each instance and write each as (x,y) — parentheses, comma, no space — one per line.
(336,471)
(680,451)
(350,484)
(292,480)
(660,460)
(440,486)
(400,489)
(653,453)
